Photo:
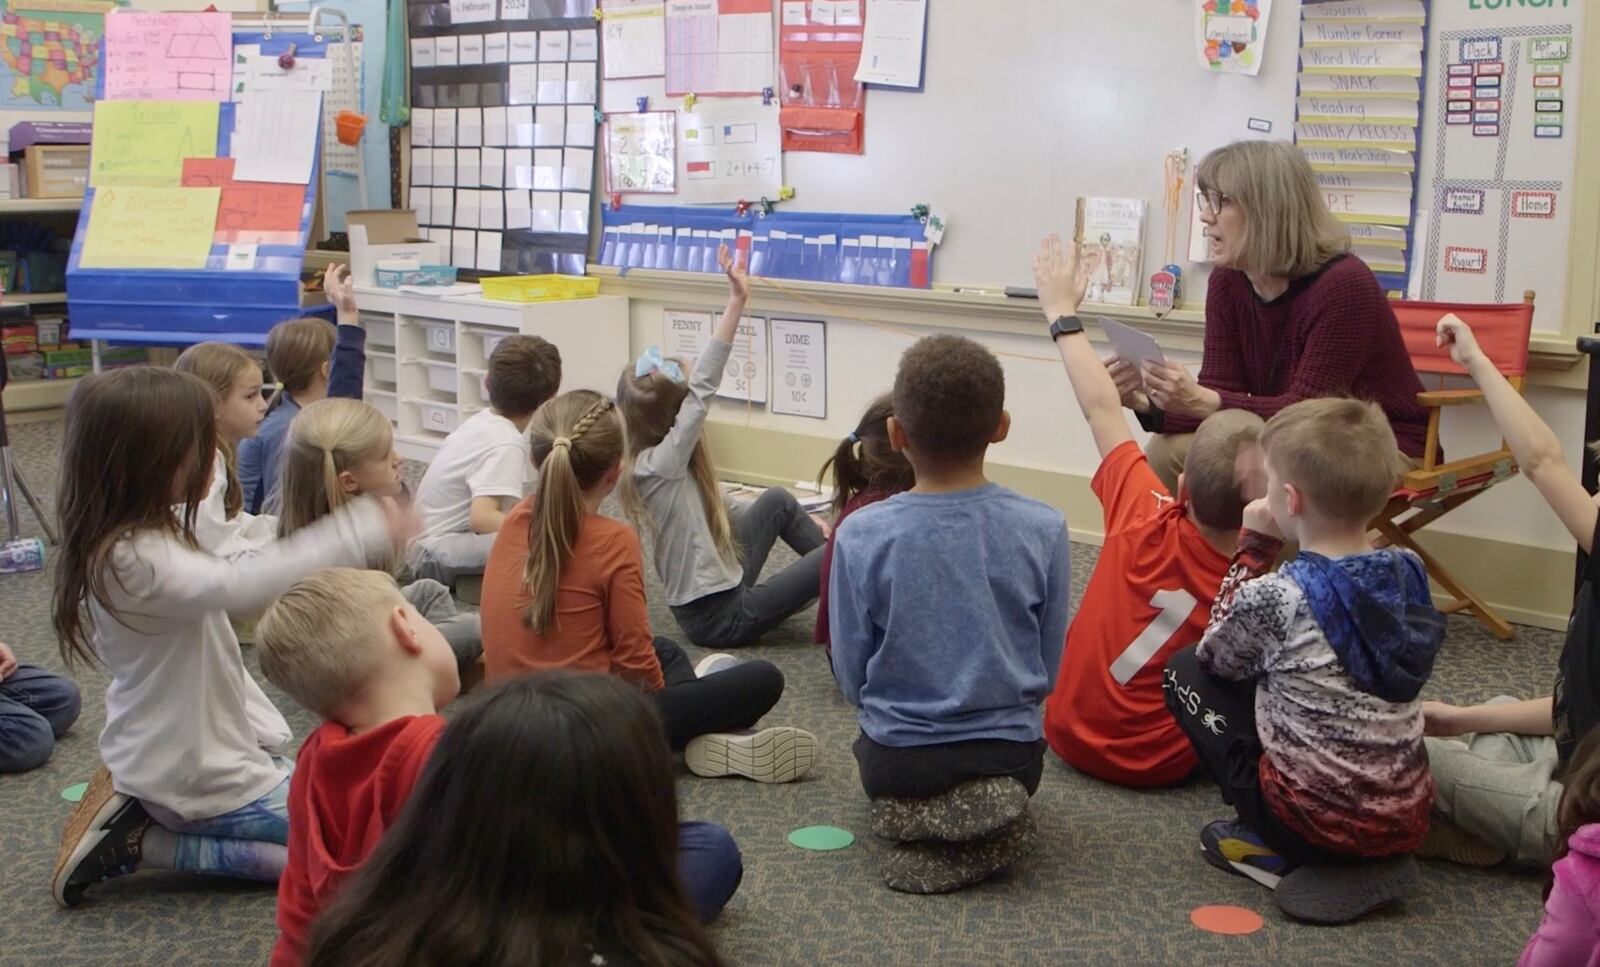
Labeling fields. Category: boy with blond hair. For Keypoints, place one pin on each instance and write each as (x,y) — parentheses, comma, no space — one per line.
(1162,561)
(345,644)
(1301,699)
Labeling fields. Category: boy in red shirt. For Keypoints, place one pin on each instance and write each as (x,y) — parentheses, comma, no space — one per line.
(345,644)
(1160,566)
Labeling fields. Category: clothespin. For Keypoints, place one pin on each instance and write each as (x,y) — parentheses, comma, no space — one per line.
(644,103)
(286,59)
(920,213)
(742,208)
(766,96)
(688,101)
(786,193)
(599,14)
(599,116)
(616,201)
(766,206)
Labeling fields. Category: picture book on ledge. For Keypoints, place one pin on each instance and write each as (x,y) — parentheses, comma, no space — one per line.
(1111,231)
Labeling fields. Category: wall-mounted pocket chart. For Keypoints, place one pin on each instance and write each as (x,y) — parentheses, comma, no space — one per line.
(884,250)
(503,130)
(1357,117)
(195,223)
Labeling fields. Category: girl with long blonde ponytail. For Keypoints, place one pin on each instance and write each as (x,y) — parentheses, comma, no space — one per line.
(338,449)
(564,588)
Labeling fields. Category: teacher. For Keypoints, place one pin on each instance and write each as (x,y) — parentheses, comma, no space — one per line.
(1291,315)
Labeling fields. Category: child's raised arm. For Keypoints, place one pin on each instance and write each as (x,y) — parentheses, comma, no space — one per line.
(738,292)
(1531,440)
(1061,281)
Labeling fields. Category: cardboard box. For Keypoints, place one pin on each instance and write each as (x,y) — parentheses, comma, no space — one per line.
(382,234)
(55,170)
(25,134)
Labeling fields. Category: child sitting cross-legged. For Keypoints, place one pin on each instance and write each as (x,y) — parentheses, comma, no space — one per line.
(483,468)
(1158,570)
(564,588)
(336,451)
(948,605)
(1301,699)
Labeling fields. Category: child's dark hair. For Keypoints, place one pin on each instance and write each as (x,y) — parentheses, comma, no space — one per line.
(139,442)
(1580,796)
(949,396)
(545,820)
(865,460)
(524,371)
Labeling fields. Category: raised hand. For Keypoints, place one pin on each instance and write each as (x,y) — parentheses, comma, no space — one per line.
(733,266)
(1061,278)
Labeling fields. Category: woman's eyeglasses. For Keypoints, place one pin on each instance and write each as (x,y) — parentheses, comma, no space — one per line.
(1211,202)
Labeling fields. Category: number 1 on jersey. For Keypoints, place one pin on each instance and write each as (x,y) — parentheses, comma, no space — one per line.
(1174,608)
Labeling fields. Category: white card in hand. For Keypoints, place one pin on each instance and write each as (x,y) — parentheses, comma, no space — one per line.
(1132,345)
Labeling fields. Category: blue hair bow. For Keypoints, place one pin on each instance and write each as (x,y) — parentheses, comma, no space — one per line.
(650,361)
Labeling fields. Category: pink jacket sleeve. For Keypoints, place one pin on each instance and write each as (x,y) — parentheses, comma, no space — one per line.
(1568,935)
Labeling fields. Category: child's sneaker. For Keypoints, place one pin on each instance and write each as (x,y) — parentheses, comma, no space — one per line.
(779,754)
(1232,846)
(101,840)
(719,661)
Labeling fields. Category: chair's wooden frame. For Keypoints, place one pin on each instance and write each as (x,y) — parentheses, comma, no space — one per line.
(1434,489)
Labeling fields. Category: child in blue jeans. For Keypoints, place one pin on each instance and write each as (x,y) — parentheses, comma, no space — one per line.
(36,708)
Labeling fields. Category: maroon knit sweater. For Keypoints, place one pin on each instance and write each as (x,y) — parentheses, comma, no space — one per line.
(1331,334)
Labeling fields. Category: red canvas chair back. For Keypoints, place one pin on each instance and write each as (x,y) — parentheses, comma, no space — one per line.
(1502,330)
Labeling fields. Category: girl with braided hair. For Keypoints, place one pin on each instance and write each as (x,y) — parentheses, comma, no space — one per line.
(564,588)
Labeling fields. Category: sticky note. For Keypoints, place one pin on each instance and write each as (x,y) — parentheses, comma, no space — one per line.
(150,228)
(143,143)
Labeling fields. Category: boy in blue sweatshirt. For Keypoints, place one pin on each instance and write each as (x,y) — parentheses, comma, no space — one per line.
(948,612)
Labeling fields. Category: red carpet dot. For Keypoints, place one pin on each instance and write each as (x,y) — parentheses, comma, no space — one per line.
(1228,920)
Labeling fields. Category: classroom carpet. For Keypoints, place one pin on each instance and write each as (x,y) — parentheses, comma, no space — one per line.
(1114,881)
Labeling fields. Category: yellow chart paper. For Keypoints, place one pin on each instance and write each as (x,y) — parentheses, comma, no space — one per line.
(150,228)
(143,143)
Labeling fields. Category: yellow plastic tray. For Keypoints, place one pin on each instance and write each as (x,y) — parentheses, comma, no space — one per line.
(540,288)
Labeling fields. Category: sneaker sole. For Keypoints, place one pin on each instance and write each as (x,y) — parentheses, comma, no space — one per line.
(701,665)
(780,754)
(1268,880)
(85,830)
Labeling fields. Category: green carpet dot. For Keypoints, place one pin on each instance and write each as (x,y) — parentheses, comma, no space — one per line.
(821,838)
(75,793)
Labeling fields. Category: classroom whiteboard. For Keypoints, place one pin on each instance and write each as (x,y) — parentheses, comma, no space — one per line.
(1027,105)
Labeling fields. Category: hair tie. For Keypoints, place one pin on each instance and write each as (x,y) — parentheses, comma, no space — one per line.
(853,437)
(561,442)
(650,361)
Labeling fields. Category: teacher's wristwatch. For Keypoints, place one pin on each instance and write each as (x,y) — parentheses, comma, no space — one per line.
(1065,326)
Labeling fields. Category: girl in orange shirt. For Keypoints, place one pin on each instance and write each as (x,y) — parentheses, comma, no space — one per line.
(564,588)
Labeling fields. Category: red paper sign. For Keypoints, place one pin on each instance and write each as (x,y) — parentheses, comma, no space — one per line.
(246,206)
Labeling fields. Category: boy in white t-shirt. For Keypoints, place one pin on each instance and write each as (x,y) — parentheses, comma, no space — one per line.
(484,466)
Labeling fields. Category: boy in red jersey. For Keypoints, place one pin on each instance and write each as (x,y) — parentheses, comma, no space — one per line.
(1159,569)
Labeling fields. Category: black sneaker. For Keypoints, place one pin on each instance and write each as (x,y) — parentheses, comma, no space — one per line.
(101,840)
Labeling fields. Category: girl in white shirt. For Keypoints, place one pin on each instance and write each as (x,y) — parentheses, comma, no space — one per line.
(221,526)
(194,777)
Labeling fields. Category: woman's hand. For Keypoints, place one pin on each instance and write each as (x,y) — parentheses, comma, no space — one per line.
(1130,386)
(1457,335)
(733,266)
(1174,390)
(1062,279)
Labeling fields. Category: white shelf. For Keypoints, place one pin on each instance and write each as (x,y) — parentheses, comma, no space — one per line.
(444,375)
(38,394)
(35,206)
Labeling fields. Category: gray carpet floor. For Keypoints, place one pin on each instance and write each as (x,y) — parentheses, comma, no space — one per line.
(1113,883)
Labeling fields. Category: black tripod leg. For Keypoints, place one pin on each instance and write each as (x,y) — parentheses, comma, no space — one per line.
(38,511)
